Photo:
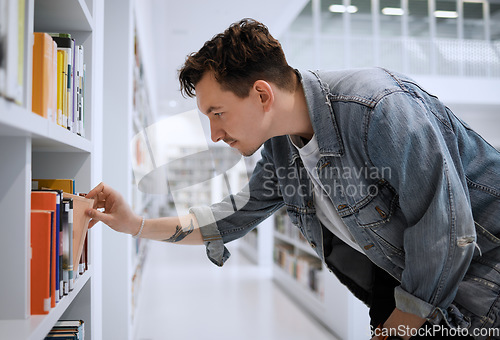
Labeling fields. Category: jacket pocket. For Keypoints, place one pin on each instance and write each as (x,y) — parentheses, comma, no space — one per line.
(486,241)
(378,206)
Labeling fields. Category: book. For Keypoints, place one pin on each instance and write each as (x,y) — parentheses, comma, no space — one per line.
(11,50)
(61,79)
(58,240)
(62,336)
(80,224)
(21,15)
(80,82)
(67,263)
(66,185)
(67,329)
(47,200)
(54,94)
(67,44)
(41,224)
(77,325)
(43,73)
(83,265)
(3,45)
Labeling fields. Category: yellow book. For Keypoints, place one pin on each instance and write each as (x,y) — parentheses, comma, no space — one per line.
(41,101)
(66,185)
(65,90)
(20,45)
(61,88)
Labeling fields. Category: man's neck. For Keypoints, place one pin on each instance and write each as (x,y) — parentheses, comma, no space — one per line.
(292,115)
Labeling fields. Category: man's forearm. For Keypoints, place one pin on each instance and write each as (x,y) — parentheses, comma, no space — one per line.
(181,230)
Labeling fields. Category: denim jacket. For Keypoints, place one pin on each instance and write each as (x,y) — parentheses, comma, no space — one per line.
(417,188)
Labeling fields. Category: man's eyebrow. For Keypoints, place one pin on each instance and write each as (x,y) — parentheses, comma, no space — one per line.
(213,108)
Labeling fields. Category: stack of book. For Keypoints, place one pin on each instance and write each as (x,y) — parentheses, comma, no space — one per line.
(58,241)
(59,80)
(67,330)
(304,268)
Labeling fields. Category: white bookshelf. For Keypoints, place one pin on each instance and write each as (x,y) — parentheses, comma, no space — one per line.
(332,305)
(127,112)
(34,147)
(257,245)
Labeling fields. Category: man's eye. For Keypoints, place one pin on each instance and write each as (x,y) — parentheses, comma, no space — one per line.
(217,113)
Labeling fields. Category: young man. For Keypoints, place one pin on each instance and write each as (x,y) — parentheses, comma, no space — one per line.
(399,197)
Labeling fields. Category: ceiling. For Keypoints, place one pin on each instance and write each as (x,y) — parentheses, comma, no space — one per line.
(173,29)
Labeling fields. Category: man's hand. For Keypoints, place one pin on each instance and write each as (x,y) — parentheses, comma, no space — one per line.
(117,214)
(399,320)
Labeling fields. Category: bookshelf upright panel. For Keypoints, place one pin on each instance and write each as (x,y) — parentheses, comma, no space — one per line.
(32,146)
(15,153)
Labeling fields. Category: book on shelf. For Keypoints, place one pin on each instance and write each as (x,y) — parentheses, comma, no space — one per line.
(48,200)
(66,45)
(43,100)
(304,268)
(58,240)
(67,329)
(41,226)
(62,79)
(66,185)
(58,88)
(12,22)
(67,245)
(80,224)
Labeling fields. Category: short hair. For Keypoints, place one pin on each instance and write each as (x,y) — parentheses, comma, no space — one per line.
(244,53)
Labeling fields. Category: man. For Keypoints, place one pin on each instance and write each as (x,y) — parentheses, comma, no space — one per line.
(397,196)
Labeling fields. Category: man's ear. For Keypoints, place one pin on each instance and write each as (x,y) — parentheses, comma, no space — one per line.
(265,92)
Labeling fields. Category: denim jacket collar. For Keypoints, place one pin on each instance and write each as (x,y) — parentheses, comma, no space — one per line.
(322,117)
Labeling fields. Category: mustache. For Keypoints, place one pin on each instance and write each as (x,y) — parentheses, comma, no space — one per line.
(229,140)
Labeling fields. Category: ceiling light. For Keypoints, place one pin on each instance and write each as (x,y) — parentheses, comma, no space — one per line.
(342,9)
(392,11)
(446,14)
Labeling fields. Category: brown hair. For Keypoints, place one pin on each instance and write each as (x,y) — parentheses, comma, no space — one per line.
(244,53)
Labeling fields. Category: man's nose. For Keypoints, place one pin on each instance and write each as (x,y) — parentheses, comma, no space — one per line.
(216,132)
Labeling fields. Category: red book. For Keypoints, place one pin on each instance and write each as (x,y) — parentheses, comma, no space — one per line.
(41,224)
(41,200)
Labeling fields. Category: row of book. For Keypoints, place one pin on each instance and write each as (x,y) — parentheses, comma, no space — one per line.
(12,19)
(58,87)
(285,227)
(67,330)
(304,268)
(59,246)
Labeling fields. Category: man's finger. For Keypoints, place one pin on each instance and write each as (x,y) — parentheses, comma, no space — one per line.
(96,190)
(97,216)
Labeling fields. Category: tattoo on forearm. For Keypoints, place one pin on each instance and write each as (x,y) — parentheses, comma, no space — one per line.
(180,233)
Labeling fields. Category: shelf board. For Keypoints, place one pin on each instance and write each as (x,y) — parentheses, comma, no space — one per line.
(62,16)
(37,326)
(296,243)
(17,121)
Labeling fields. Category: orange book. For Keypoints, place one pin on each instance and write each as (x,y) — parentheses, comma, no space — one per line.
(43,74)
(80,224)
(41,224)
(41,200)
(66,185)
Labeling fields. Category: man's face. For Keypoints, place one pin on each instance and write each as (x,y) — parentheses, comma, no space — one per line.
(234,120)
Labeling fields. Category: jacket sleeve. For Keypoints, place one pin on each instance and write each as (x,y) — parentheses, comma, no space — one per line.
(406,133)
(238,214)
